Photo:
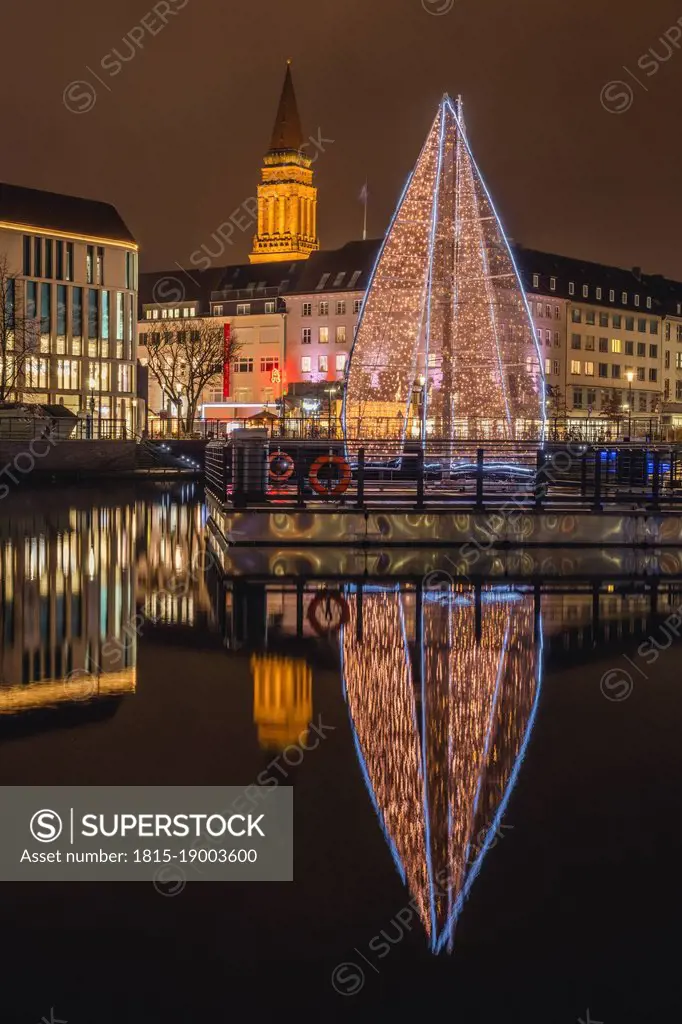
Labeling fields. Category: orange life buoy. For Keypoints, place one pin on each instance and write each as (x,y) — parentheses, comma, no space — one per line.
(341,485)
(333,621)
(289,463)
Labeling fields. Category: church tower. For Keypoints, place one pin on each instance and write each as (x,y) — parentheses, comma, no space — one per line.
(287,198)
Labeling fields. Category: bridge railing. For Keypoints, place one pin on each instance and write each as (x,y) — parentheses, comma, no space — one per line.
(455,474)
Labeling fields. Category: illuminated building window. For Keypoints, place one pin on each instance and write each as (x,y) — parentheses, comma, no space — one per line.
(155,314)
(575,366)
(217,310)
(616,345)
(243,308)
(269,307)
(341,335)
(589,370)
(269,363)
(341,361)
(323,363)
(89,264)
(148,314)
(306,364)
(548,366)
(324,335)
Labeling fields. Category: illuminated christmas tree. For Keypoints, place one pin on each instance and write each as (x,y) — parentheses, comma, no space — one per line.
(445,347)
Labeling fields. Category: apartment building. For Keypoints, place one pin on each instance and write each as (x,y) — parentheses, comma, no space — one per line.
(72,273)
(614,333)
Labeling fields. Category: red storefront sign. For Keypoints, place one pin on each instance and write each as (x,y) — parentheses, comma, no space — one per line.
(226,362)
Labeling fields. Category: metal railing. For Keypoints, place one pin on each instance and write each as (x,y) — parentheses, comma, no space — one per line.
(20,428)
(459,475)
(590,430)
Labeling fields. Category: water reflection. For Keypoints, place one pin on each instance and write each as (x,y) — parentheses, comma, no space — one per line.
(79,584)
(282,700)
(440,728)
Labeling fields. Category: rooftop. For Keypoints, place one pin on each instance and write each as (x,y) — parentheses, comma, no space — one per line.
(52,211)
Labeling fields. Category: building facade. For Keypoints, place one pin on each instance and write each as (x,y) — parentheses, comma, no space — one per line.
(72,267)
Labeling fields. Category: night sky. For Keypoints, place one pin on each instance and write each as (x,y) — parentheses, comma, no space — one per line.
(175,138)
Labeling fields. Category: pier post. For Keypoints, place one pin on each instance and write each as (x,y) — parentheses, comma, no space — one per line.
(596,504)
(420,478)
(480,456)
(361,478)
(656,481)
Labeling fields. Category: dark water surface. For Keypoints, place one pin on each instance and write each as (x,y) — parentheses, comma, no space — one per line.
(470,734)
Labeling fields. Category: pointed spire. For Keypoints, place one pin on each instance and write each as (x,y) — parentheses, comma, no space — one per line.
(287,133)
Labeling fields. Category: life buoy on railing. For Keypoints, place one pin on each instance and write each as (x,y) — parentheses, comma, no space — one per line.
(281,457)
(341,485)
(328,612)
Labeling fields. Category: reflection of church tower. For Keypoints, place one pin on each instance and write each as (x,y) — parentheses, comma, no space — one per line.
(287,198)
(282,700)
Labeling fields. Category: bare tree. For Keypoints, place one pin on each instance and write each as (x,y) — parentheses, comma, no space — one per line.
(186,356)
(19,334)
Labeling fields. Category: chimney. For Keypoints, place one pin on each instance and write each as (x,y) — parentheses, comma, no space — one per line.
(637,271)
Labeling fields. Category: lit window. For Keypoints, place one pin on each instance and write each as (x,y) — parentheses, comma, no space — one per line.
(243,308)
(341,335)
(589,370)
(324,335)
(148,314)
(323,363)
(575,366)
(341,361)
(155,314)
(548,366)
(269,307)
(616,345)
(217,310)
(306,364)
(164,314)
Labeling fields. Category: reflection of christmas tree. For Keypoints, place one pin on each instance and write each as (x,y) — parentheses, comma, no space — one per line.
(440,755)
(446,313)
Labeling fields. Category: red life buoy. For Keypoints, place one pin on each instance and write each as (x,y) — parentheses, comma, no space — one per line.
(341,485)
(289,466)
(323,602)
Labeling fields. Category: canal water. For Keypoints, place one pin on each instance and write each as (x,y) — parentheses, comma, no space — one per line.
(486,772)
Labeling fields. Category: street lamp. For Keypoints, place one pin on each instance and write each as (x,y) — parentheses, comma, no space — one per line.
(630,377)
